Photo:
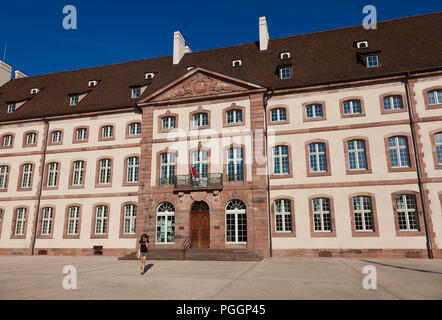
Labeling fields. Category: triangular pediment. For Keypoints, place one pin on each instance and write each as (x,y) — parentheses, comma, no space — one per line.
(199,83)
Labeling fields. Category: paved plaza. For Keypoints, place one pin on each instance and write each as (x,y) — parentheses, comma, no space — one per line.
(41,277)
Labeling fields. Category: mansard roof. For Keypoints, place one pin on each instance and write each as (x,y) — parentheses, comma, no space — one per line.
(404,45)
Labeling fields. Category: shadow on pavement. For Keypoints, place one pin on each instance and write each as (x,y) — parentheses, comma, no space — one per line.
(148,267)
(399,267)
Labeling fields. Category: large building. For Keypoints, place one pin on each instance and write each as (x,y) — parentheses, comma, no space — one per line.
(321,144)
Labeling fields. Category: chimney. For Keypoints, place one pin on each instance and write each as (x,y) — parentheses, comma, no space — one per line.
(263,34)
(179,47)
(18,74)
(5,72)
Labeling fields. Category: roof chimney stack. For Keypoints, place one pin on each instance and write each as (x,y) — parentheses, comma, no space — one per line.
(5,73)
(179,47)
(263,34)
(18,74)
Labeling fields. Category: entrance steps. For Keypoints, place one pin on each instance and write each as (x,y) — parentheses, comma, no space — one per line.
(205,254)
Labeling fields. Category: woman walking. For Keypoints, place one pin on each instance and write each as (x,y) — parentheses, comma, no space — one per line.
(144,240)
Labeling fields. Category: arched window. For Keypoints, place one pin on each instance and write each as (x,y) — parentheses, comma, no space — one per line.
(105,171)
(133,164)
(406,211)
(399,155)
(392,102)
(47,221)
(20,224)
(352,107)
(281,160)
(101,216)
(236,222)
(4,171)
(317,157)
(52,174)
(322,215)
(166,223)
(234,116)
(313,111)
(135,129)
(200,120)
(56,136)
(73,220)
(434,97)
(278,114)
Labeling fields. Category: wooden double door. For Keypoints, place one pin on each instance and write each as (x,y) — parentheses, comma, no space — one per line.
(200,229)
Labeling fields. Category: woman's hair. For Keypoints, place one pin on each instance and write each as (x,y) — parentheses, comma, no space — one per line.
(144,235)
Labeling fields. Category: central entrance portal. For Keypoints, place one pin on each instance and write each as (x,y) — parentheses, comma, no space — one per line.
(200,225)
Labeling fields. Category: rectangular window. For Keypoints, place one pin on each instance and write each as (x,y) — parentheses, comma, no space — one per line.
(48,215)
(322,215)
(30,138)
(352,107)
(234,116)
(4,170)
(372,61)
(7,141)
(167,174)
(134,129)
(283,215)
(398,148)
(438,142)
(168,123)
(81,134)
(318,157)
(73,101)
(281,160)
(27,176)
(357,159)
(363,214)
(407,213)
(200,120)
(200,161)
(392,102)
(314,111)
(136,92)
(133,164)
(235,164)
(11,108)
(434,97)
(107,132)
(56,137)
(20,225)
(279,114)
(52,174)
(130,216)
(74,220)
(101,220)
(105,171)
(285,72)
(78,174)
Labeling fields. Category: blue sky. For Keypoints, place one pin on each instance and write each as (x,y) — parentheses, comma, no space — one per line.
(118,31)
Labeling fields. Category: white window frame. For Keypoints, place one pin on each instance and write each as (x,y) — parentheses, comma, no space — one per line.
(398,149)
(317,155)
(234,116)
(278,114)
(168,167)
(352,106)
(370,63)
(73,221)
(101,215)
(78,173)
(20,223)
(199,119)
(364,213)
(47,221)
(133,165)
(107,131)
(52,174)
(168,123)
(237,160)
(407,211)
(283,214)
(357,151)
(56,136)
(200,161)
(437,97)
(135,129)
(73,101)
(130,218)
(315,108)
(393,106)
(11,108)
(321,213)
(81,134)
(31,138)
(7,140)
(136,93)
(4,172)
(282,73)
(27,175)
(105,171)
(236,212)
(278,158)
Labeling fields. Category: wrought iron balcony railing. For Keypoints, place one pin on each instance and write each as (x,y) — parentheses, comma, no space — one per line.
(188,182)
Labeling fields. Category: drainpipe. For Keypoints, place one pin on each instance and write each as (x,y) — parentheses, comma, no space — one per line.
(266,100)
(45,144)
(418,167)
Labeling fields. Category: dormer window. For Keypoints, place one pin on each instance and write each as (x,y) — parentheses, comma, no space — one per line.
(372,61)
(136,93)
(92,83)
(73,101)
(236,63)
(149,75)
(362,44)
(285,72)
(11,108)
(284,55)
(35,91)
(190,68)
